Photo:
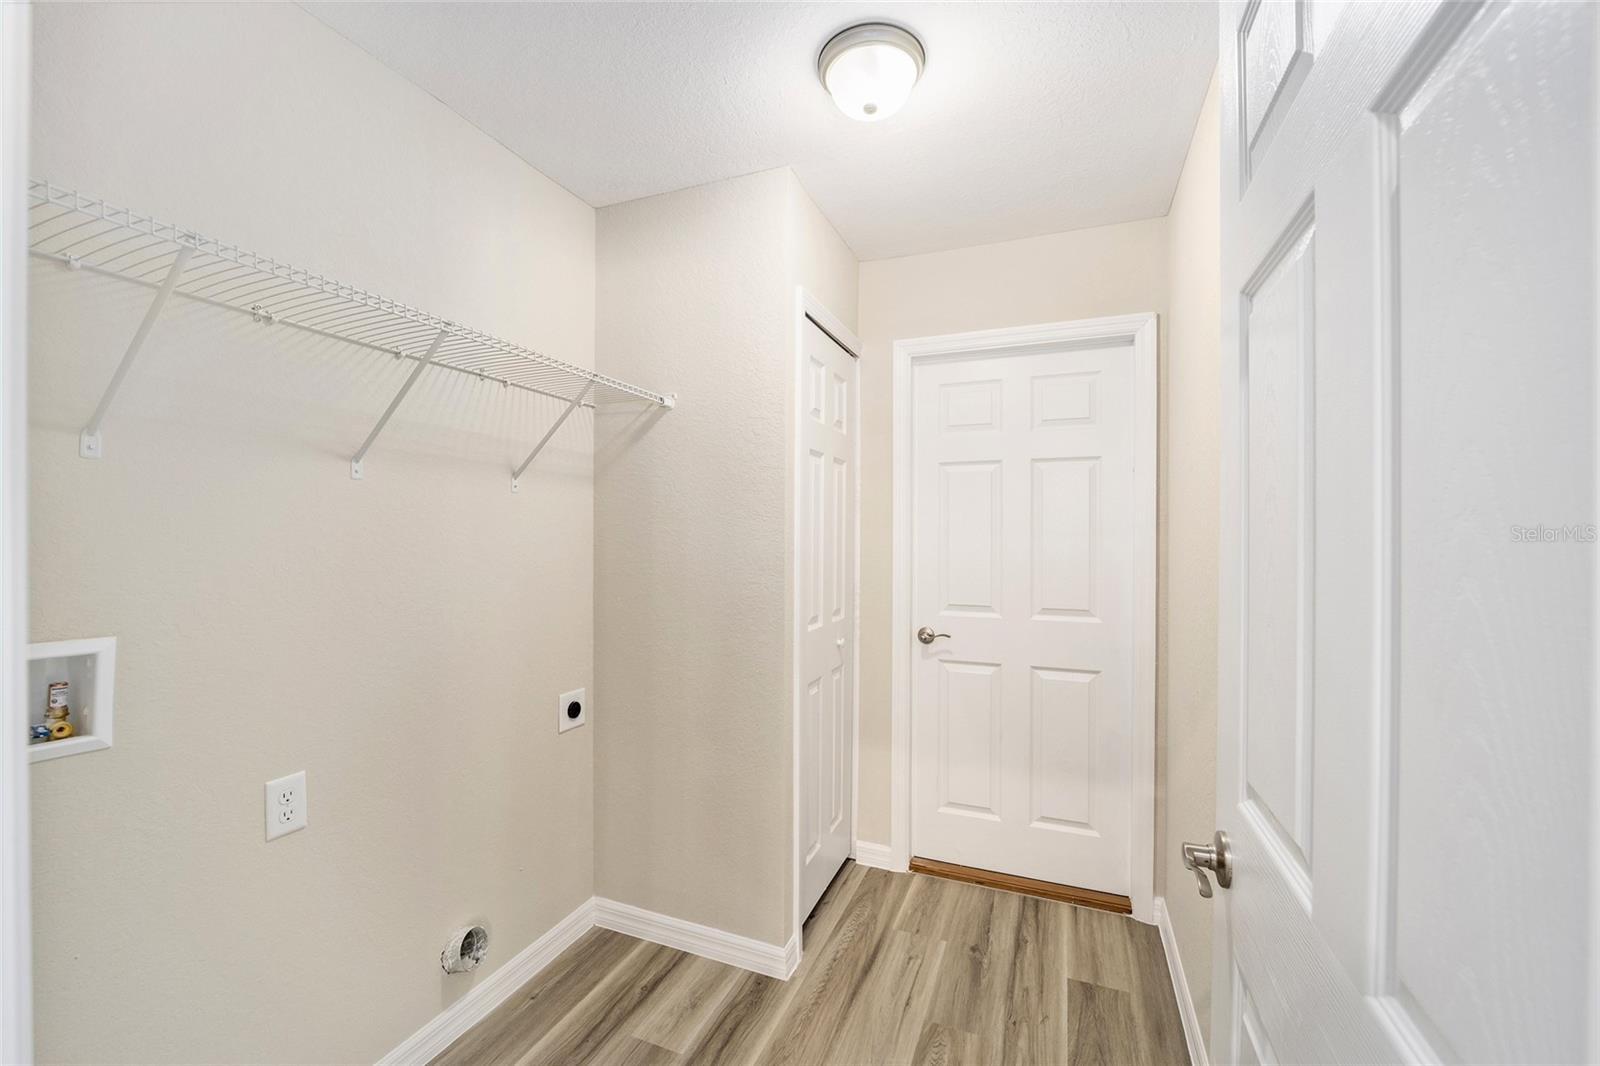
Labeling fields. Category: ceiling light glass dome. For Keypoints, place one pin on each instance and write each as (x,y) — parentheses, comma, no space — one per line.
(870,69)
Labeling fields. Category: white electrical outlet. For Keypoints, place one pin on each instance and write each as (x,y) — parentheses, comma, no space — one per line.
(572,710)
(286,805)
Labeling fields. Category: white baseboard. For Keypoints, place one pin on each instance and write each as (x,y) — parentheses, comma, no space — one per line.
(878,856)
(1193,1035)
(758,956)
(449,1024)
(791,956)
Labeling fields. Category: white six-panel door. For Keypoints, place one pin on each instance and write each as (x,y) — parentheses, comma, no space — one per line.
(1406,685)
(1022,544)
(825,599)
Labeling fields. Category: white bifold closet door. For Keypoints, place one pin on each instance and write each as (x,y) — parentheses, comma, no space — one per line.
(825,598)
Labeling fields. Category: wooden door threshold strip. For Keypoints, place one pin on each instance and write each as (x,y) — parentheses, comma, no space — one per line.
(1027,886)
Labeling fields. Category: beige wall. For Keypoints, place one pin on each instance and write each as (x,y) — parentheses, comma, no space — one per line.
(402,638)
(1109,270)
(1190,456)
(819,260)
(692,548)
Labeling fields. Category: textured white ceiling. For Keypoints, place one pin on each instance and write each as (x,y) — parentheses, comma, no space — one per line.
(1030,118)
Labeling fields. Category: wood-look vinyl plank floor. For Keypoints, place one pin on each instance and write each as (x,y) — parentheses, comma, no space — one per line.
(900,969)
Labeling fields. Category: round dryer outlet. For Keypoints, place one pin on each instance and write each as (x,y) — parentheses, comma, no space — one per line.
(572,710)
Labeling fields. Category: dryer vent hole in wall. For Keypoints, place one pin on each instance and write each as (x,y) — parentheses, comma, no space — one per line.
(572,710)
(465,949)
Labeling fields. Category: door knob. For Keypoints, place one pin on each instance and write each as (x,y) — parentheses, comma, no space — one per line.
(928,636)
(1214,857)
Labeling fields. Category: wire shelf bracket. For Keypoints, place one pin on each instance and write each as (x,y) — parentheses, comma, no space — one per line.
(90,446)
(83,233)
(516,475)
(394,404)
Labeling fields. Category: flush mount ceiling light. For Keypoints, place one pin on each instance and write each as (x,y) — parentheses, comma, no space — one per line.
(869,69)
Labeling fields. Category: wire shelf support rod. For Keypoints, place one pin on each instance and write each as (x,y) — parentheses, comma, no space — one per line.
(577,401)
(90,446)
(394,404)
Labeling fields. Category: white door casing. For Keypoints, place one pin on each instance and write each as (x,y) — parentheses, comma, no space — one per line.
(16,940)
(1025,522)
(1406,677)
(825,601)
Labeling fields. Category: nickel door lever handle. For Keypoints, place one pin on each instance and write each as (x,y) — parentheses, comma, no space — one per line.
(928,636)
(1214,857)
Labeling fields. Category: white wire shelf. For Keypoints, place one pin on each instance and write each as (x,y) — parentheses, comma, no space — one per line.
(89,234)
